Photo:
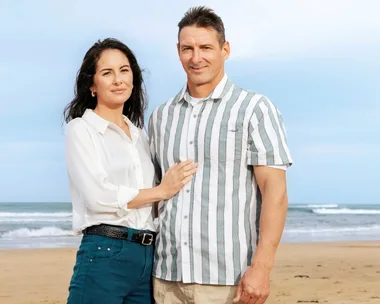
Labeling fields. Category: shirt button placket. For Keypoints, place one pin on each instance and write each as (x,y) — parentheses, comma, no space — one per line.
(186,194)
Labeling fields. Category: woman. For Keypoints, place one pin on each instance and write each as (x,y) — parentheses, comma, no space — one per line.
(111,179)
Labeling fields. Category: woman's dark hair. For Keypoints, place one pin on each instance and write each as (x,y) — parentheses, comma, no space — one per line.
(135,107)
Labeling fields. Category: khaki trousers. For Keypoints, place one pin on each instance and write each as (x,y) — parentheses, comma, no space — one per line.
(167,292)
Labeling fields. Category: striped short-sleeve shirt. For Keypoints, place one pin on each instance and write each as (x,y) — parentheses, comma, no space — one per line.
(208,232)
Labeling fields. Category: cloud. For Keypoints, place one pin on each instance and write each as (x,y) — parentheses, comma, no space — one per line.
(295,27)
(347,149)
(21,153)
(33,171)
(256,29)
(359,122)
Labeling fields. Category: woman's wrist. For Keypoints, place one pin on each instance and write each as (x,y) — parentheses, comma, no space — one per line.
(161,192)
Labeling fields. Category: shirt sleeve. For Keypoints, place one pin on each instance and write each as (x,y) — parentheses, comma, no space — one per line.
(281,167)
(88,175)
(267,143)
(152,149)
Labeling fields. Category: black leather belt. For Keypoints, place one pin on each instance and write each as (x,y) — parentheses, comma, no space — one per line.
(141,237)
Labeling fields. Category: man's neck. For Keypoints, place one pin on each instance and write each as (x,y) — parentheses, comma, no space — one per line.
(204,90)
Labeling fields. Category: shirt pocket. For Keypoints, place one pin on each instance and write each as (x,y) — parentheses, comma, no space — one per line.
(227,147)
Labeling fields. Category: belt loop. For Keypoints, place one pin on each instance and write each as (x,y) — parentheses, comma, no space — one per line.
(130,234)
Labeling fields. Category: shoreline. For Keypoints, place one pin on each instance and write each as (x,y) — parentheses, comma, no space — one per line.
(318,272)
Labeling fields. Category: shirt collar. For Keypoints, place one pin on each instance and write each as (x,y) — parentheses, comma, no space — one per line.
(218,93)
(101,125)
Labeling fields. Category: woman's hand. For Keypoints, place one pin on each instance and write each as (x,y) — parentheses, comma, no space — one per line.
(176,177)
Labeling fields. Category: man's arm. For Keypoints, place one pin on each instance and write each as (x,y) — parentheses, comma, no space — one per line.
(255,284)
(267,147)
(272,184)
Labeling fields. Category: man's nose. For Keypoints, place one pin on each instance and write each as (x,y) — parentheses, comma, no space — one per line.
(196,56)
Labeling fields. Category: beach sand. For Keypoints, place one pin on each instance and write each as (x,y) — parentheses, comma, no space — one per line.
(337,273)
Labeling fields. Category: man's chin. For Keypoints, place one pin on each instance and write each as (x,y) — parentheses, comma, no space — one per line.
(198,79)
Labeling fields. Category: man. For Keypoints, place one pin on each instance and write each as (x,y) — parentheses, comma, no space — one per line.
(218,237)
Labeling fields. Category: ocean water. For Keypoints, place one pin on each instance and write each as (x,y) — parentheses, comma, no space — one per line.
(48,225)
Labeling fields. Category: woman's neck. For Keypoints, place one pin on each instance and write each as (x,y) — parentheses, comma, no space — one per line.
(114,115)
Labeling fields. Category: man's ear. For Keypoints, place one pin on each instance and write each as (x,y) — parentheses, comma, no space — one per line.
(226,50)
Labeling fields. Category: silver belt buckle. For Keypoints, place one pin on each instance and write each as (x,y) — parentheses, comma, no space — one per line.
(149,241)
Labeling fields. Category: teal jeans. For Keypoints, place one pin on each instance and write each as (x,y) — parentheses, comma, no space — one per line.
(112,271)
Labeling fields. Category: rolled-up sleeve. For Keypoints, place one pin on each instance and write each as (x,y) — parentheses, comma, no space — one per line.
(89,177)
(267,143)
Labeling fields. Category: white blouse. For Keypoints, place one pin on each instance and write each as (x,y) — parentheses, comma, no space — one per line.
(106,170)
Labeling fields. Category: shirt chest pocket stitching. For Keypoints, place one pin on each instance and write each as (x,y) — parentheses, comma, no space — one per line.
(233,140)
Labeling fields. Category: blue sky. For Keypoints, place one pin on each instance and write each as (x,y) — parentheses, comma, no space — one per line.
(318,61)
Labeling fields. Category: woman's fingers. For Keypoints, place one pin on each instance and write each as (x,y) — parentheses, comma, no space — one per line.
(186,180)
(190,172)
(184,164)
(190,167)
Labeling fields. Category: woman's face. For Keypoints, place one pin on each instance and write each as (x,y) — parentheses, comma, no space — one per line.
(113,80)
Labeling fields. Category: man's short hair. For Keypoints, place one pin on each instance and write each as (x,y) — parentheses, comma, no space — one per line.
(202,16)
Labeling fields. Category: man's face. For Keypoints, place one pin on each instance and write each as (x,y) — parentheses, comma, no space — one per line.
(201,55)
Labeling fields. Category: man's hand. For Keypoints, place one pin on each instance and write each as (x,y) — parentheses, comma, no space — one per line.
(254,286)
